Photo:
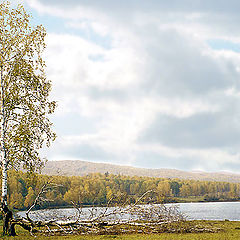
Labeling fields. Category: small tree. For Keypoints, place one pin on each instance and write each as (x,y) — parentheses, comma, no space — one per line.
(24,94)
(29,198)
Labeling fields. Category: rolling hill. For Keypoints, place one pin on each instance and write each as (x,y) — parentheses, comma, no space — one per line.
(80,168)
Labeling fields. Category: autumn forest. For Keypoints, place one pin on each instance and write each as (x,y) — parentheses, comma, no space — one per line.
(99,189)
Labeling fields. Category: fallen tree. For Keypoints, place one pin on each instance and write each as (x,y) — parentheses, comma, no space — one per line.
(138,217)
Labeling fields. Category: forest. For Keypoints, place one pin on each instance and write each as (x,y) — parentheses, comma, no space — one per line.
(99,189)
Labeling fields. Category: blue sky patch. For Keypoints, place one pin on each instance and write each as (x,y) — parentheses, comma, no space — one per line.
(220,44)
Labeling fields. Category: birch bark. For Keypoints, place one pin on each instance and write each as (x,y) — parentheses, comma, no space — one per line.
(2,149)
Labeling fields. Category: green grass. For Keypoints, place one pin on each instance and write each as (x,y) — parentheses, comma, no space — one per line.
(230,231)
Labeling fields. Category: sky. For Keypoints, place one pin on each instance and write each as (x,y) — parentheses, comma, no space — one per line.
(144,83)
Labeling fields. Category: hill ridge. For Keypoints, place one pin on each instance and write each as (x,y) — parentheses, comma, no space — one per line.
(80,168)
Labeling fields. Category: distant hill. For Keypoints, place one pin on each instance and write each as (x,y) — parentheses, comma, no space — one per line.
(80,168)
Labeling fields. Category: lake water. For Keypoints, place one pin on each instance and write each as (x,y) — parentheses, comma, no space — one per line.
(193,211)
(211,211)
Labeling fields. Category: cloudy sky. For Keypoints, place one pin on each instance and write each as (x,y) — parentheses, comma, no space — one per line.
(146,83)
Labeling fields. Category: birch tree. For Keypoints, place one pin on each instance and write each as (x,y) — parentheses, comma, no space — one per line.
(24,93)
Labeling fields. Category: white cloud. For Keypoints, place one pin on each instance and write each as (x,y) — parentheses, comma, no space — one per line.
(198,159)
(158,66)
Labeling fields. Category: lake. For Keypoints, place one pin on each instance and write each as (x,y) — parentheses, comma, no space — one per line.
(193,211)
(211,210)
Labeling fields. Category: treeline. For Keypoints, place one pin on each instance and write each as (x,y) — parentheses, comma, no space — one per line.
(100,188)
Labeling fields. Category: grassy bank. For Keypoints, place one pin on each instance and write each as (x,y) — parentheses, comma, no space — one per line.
(227,231)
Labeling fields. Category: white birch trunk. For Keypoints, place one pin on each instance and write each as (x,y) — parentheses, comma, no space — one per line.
(4,179)
(2,152)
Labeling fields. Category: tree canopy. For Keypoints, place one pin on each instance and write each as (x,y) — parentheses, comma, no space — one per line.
(24,98)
